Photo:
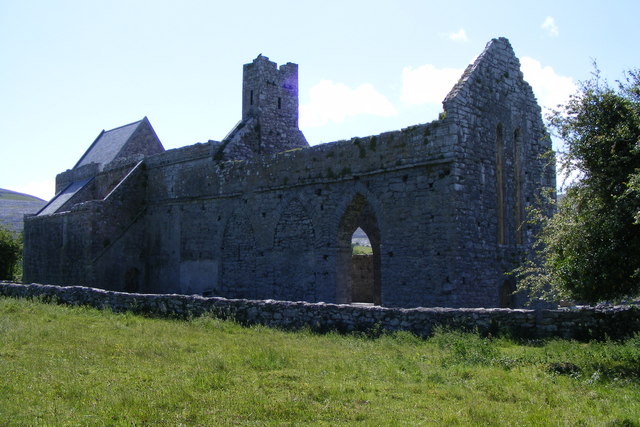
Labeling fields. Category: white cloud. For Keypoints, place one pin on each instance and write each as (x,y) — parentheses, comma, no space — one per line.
(550,88)
(549,25)
(427,84)
(460,36)
(334,102)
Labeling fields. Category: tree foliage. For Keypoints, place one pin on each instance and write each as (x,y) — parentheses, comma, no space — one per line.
(589,251)
(10,253)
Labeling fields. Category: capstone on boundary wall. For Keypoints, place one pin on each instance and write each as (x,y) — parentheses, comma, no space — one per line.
(582,324)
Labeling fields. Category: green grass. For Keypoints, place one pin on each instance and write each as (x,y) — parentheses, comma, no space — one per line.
(79,366)
(361,250)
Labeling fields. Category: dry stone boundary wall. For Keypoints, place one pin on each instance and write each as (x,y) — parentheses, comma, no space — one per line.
(583,324)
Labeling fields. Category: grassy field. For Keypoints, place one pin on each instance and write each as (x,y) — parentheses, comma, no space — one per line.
(361,250)
(79,366)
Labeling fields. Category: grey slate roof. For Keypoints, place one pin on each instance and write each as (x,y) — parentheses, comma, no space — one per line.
(62,197)
(108,144)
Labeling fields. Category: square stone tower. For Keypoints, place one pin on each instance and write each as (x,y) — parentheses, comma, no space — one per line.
(270,93)
(269,112)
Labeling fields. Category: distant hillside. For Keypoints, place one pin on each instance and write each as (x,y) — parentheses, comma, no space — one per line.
(14,205)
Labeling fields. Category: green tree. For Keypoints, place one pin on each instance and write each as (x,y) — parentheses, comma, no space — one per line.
(10,253)
(589,251)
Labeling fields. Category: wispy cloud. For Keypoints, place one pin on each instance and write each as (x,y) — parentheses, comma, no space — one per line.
(459,36)
(334,102)
(427,84)
(549,25)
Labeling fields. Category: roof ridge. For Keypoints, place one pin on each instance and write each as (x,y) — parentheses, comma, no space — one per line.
(137,122)
(104,132)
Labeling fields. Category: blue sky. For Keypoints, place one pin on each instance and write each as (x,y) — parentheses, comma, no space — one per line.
(69,69)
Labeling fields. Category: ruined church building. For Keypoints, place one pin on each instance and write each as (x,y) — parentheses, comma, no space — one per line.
(262,215)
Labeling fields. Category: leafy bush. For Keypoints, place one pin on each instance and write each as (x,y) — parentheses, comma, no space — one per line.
(10,254)
(589,251)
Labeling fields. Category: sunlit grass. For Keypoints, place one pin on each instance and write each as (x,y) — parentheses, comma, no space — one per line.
(61,365)
(361,250)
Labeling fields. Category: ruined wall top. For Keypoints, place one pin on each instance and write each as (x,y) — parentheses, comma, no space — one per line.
(495,70)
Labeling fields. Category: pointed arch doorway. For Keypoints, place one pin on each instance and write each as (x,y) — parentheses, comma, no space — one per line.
(358,214)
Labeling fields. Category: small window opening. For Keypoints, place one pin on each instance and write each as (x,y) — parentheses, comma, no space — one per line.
(251,100)
(360,243)
(358,225)
(279,103)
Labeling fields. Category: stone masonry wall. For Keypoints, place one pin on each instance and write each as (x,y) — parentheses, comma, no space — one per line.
(443,204)
(270,94)
(582,324)
(69,247)
(219,227)
(269,112)
(500,170)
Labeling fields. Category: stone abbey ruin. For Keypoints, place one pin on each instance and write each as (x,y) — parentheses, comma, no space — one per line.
(261,215)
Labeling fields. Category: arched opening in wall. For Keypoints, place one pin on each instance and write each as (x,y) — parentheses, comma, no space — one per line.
(358,215)
(507,298)
(361,267)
